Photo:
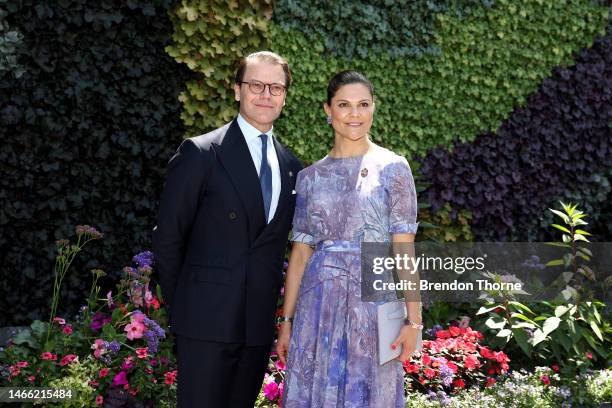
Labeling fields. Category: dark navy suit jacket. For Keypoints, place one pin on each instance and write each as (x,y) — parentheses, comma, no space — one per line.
(219,263)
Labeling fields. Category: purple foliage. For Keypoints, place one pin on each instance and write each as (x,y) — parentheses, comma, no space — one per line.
(556,147)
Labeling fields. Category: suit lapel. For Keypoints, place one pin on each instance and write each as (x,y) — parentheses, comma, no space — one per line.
(285,175)
(234,154)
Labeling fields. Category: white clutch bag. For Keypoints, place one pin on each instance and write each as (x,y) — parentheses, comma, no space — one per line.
(391,317)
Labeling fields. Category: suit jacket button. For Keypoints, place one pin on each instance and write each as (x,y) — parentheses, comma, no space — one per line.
(232,215)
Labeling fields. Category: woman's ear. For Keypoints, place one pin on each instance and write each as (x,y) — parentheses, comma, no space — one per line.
(327,109)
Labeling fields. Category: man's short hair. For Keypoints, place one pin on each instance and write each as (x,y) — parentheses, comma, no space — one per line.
(267,57)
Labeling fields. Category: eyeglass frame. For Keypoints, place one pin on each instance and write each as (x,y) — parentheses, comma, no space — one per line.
(256,82)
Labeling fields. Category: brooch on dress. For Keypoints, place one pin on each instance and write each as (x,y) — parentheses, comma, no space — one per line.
(364,172)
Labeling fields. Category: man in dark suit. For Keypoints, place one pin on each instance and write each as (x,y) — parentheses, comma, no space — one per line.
(224,218)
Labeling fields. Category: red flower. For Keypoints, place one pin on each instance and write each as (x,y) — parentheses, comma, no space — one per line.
(421,380)
(545,379)
(142,352)
(170,377)
(490,382)
(99,400)
(429,373)
(459,383)
(443,334)
(67,329)
(471,362)
(555,368)
(452,366)
(411,368)
(67,359)
(31,378)
(94,383)
(425,359)
(491,371)
(588,355)
(454,331)
(103,372)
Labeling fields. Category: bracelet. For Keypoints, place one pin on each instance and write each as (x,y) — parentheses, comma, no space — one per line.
(408,323)
(282,319)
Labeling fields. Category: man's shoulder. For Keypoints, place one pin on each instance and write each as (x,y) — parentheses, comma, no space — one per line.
(205,141)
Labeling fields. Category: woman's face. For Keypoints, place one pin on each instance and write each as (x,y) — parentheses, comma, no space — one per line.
(351,111)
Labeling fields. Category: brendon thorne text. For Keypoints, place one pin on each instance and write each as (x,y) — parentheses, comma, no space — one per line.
(425,285)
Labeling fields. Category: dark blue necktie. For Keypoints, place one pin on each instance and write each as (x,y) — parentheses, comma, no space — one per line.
(265,175)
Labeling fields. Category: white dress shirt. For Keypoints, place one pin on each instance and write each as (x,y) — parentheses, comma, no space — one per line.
(254,142)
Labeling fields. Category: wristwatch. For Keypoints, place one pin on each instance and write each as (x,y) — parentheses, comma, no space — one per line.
(282,319)
(408,323)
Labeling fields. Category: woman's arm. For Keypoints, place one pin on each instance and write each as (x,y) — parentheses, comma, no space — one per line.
(300,254)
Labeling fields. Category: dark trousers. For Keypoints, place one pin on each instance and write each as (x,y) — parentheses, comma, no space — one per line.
(218,375)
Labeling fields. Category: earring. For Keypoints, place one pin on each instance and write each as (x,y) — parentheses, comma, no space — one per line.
(329,119)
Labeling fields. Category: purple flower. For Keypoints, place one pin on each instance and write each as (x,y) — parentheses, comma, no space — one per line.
(114,346)
(120,379)
(447,375)
(99,319)
(143,259)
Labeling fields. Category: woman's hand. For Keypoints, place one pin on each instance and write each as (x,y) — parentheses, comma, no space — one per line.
(407,339)
(282,343)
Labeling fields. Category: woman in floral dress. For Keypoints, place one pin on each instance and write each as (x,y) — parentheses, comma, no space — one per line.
(359,192)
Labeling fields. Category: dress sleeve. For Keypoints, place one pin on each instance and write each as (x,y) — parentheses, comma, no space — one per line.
(301,221)
(402,199)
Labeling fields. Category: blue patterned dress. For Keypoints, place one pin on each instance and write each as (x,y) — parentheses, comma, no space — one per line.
(333,352)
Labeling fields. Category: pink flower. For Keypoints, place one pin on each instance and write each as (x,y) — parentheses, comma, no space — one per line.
(67,329)
(426,359)
(31,378)
(490,382)
(545,379)
(103,372)
(109,299)
(127,363)
(99,400)
(46,355)
(588,355)
(271,391)
(98,348)
(22,364)
(120,379)
(135,330)
(452,366)
(59,321)
(142,352)
(67,359)
(170,377)
(279,365)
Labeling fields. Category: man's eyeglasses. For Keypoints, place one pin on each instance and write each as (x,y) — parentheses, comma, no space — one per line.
(258,87)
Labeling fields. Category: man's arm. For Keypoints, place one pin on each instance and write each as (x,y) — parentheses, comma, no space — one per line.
(188,172)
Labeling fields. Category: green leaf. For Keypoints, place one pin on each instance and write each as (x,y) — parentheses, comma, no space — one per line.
(551,324)
(521,306)
(596,330)
(484,309)
(561,310)
(491,323)
(521,339)
(538,337)
(564,217)
(561,228)
(555,262)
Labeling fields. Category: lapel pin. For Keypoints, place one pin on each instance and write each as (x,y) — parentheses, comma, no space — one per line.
(364,172)
(290,174)
(293,192)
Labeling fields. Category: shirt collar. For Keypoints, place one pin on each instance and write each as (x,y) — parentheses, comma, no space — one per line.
(249,131)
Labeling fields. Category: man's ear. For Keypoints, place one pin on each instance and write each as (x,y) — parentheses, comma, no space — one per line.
(237,92)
